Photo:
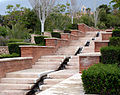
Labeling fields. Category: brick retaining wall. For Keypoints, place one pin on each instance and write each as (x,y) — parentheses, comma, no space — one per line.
(88,59)
(14,64)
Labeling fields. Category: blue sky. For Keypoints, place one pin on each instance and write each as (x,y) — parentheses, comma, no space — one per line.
(25,3)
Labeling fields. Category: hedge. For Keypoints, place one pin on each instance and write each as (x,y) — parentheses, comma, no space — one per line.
(110,55)
(56,34)
(115,41)
(73,26)
(116,33)
(103,79)
(14,47)
(40,40)
(9,55)
(15,40)
(67,31)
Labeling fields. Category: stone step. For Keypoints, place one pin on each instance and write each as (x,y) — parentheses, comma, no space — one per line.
(73,63)
(48,63)
(49,67)
(19,80)
(14,92)
(59,76)
(52,57)
(22,75)
(44,87)
(5,86)
(72,67)
(52,81)
(47,60)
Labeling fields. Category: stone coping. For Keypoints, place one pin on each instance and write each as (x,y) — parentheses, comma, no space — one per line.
(63,39)
(103,41)
(52,38)
(107,33)
(36,46)
(90,54)
(65,33)
(73,35)
(16,58)
(74,30)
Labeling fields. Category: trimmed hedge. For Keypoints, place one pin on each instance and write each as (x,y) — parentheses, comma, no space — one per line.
(103,79)
(73,26)
(9,55)
(14,47)
(40,40)
(67,31)
(15,40)
(110,55)
(116,33)
(115,41)
(56,34)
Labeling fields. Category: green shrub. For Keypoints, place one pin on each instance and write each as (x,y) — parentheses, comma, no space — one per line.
(9,55)
(67,31)
(14,47)
(56,34)
(15,40)
(115,41)
(103,79)
(73,26)
(110,55)
(3,41)
(40,40)
(116,33)
(3,31)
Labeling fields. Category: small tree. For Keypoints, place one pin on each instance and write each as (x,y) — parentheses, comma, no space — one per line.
(43,8)
(75,6)
(96,13)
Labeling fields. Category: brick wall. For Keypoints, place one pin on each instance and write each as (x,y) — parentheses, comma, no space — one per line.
(14,64)
(99,44)
(65,36)
(36,51)
(88,59)
(4,50)
(74,32)
(109,30)
(73,37)
(106,36)
(81,27)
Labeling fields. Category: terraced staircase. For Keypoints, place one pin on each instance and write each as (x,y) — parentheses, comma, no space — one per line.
(21,82)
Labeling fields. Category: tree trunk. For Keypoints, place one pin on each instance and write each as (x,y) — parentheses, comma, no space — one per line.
(72,19)
(42,27)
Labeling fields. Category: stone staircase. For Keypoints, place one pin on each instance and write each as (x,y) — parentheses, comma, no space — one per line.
(20,82)
(58,76)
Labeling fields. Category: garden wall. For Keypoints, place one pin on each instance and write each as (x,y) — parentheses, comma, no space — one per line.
(88,59)
(14,64)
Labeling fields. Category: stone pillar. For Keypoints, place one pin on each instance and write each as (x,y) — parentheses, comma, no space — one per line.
(106,35)
(99,44)
(88,59)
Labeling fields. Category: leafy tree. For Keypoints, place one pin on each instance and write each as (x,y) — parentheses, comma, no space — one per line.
(116,3)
